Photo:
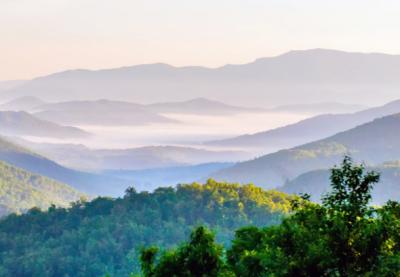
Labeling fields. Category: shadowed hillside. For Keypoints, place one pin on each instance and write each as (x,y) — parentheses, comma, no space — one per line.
(307,130)
(374,142)
(94,184)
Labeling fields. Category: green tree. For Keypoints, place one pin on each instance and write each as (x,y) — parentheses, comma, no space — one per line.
(202,256)
(343,236)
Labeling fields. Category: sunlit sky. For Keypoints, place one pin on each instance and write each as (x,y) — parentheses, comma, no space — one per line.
(44,36)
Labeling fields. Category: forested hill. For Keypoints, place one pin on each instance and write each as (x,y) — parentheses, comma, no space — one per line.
(20,190)
(106,235)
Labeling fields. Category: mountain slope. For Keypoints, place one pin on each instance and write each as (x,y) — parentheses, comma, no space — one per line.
(94,184)
(100,112)
(21,190)
(374,142)
(23,123)
(308,130)
(316,183)
(81,157)
(319,108)
(315,75)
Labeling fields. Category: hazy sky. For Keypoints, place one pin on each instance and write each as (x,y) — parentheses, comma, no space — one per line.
(44,36)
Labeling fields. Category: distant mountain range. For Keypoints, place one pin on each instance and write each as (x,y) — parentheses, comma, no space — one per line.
(99,112)
(120,113)
(307,76)
(114,182)
(107,112)
(374,142)
(201,106)
(307,130)
(81,157)
(317,183)
(25,124)
(197,106)
(150,179)
(21,190)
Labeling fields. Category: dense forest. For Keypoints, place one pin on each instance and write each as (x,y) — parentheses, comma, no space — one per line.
(143,234)
(344,236)
(105,235)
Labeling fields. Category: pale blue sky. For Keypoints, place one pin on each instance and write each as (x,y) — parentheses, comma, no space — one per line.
(44,36)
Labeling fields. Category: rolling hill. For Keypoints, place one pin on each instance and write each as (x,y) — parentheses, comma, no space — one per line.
(307,130)
(81,157)
(21,190)
(200,106)
(90,183)
(316,183)
(374,142)
(316,75)
(99,112)
(25,124)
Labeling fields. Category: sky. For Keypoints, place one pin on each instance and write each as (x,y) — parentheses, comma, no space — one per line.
(39,37)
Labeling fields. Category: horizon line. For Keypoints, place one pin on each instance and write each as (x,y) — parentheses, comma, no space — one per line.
(196,66)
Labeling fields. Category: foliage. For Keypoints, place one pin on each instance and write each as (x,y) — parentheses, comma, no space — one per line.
(200,257)
(21,190)
(105,236)
(343,236)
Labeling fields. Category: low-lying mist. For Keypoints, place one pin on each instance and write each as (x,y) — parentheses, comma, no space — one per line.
(190,131)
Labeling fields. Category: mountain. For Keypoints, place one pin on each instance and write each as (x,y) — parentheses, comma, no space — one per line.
(319,108)
(104,236)
(316,75)
(6,85)
(21,190)
(307,130)
(200,106)
(316,183)
(99,112)
(90,183)
(150,179)
(25,103)
(374,142)
(84,158)
(23,123)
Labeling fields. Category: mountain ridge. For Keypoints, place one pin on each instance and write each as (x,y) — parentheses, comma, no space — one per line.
(374,142)
(307,130)
(89,183)
(23,123)
(265,82)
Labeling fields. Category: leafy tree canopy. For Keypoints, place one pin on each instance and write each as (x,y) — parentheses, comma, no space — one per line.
(343,236)
(105,235)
